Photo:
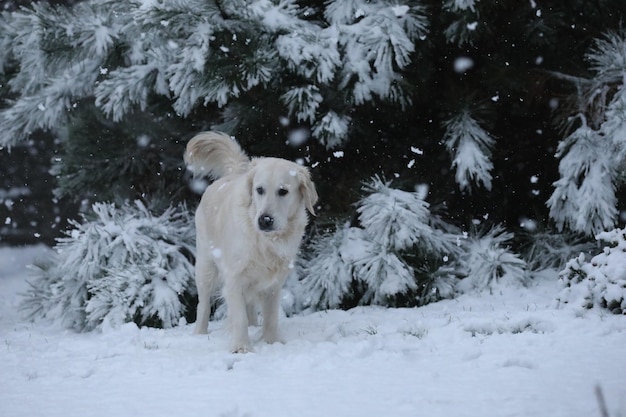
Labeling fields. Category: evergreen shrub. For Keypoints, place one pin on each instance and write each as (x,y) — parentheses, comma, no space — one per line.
(124,265)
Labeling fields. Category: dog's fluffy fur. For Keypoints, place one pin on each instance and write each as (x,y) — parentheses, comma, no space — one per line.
(249,225)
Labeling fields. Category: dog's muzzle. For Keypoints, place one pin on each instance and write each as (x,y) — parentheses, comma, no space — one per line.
(266,222)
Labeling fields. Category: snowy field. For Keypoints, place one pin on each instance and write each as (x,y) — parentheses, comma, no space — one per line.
(505,354)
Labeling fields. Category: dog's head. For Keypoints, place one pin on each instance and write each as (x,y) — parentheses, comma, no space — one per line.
(280,189)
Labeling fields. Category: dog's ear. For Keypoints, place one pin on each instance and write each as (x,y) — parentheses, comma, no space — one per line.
(307,188)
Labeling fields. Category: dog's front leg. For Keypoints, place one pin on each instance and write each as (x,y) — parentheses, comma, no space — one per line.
(237,318)
(253,318)
(270,307)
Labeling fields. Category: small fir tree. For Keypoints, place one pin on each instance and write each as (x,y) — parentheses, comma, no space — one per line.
(490,262)
(599,282)
(125,265)
(395,257)
(551,249)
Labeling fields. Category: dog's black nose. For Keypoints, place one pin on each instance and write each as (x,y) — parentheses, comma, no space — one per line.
(266,222)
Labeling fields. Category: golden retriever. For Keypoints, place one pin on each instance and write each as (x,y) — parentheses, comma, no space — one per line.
(249,225)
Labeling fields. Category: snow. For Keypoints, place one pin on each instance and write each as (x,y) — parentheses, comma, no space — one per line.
(459,5)
(462,64)
(510,353)
(400,11)
(216,252)
(298,137)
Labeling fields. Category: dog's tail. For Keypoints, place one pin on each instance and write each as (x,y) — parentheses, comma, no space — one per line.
(215,154)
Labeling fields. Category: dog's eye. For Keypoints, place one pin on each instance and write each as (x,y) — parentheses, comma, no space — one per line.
(282,192)
(260,190)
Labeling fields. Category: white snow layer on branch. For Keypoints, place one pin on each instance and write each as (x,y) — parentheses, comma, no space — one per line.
(125,88)
(614,126)
(460,5)
(49,84)
(584,198)
(331,129)
(310,53)
(394,218)
(49,106)
(608,57)
(470,147)
(303,102)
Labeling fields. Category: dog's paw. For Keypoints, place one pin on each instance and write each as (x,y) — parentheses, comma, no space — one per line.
(242,349)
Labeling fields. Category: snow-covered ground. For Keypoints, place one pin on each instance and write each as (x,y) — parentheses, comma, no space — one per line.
(510,353)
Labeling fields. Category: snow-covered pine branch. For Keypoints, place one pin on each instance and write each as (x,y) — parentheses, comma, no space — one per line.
(552,250)
(463,28)
(460,5)
(606,95)
(608,57)
(470,148)
(303,102)
(311,53)
(614,127)
(385,274)
(398,238)
(584,197)
(60,54)
(376,39)
(125,265)
(124,89)
(331,129)
(400,220)
(327,276)
(195,53)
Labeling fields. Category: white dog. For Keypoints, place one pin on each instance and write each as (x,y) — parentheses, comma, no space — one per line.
(249,225)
